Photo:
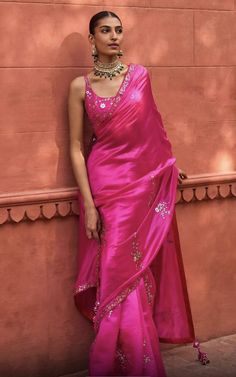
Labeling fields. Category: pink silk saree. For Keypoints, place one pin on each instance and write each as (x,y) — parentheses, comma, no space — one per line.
(131,285)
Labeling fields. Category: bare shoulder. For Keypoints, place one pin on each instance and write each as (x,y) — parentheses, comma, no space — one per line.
(77,87)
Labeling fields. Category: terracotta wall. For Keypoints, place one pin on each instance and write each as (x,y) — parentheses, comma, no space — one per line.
(189,48)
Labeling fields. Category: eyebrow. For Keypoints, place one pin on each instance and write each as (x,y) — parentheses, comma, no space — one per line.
(108,26)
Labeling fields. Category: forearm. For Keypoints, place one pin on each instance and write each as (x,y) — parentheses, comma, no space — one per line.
(81,176)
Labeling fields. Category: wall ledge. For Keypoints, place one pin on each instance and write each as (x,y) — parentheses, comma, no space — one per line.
(54,203)
(203,187)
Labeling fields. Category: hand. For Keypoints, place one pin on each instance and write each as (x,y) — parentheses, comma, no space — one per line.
(182,175)
(92,223)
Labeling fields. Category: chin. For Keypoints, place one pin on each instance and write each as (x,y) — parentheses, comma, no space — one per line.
(112,52)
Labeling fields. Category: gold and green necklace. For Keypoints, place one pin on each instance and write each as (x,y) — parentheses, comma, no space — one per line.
(108,69)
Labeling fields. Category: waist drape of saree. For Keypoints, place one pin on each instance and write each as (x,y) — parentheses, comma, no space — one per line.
(132,284)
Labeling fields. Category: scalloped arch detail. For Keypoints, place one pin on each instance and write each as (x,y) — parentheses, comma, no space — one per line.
(54,203)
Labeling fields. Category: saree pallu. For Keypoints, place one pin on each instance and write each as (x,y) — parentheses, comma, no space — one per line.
(131,284)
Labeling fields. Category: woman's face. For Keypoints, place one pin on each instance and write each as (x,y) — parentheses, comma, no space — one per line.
(108,36)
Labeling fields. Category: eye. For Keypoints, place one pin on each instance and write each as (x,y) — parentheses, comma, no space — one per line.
(119,31)
(104,30)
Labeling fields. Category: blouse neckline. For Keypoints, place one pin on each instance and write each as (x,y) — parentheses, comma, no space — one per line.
(121,85)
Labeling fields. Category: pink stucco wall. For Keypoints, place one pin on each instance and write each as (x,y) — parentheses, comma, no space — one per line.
(189,48)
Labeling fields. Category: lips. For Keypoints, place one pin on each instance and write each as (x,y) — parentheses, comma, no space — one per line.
(113,45)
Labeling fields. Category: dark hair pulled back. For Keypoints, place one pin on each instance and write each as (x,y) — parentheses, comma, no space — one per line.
(98,16)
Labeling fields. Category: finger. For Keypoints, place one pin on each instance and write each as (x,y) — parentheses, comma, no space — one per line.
(99,237)
(89,234)
(99,225)
(95,235)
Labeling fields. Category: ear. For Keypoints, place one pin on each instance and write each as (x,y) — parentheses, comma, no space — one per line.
(91,39)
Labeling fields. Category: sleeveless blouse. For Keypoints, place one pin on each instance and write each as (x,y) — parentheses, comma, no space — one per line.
(98,107)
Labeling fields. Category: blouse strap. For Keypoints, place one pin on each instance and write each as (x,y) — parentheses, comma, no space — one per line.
(87,81)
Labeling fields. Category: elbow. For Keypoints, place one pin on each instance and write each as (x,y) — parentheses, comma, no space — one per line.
(76,150)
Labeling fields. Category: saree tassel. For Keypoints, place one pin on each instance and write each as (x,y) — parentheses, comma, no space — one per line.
(202,356)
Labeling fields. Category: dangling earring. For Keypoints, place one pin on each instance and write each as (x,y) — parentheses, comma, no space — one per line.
(95,54)
(120,53)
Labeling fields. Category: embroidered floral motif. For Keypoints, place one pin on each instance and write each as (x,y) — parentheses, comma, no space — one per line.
(98,103)
(110,313)
(148,286)
(88,92)
(136,253)
(116,301)
(146,357)
(161,208)
(83,287)
(94,103)
(97,303)
(96,306)
(122,358)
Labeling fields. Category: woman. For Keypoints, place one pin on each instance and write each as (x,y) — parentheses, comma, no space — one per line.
(130,281)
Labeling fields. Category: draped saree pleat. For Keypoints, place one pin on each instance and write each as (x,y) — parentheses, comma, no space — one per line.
(131,285)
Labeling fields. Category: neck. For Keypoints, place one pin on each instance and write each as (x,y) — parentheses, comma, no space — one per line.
(107,59)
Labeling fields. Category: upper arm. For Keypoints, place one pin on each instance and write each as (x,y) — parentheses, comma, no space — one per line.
(76,109)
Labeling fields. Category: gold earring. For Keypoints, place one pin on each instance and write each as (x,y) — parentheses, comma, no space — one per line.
(120,53)
(95,54)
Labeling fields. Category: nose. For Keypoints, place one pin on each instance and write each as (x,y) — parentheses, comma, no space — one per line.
(114,35)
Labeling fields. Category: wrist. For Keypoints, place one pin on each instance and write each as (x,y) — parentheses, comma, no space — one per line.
(88,205)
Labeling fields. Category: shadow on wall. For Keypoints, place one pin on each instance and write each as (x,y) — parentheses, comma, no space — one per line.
(73,50)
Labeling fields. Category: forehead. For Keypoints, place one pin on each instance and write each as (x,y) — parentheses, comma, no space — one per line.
(108,21)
